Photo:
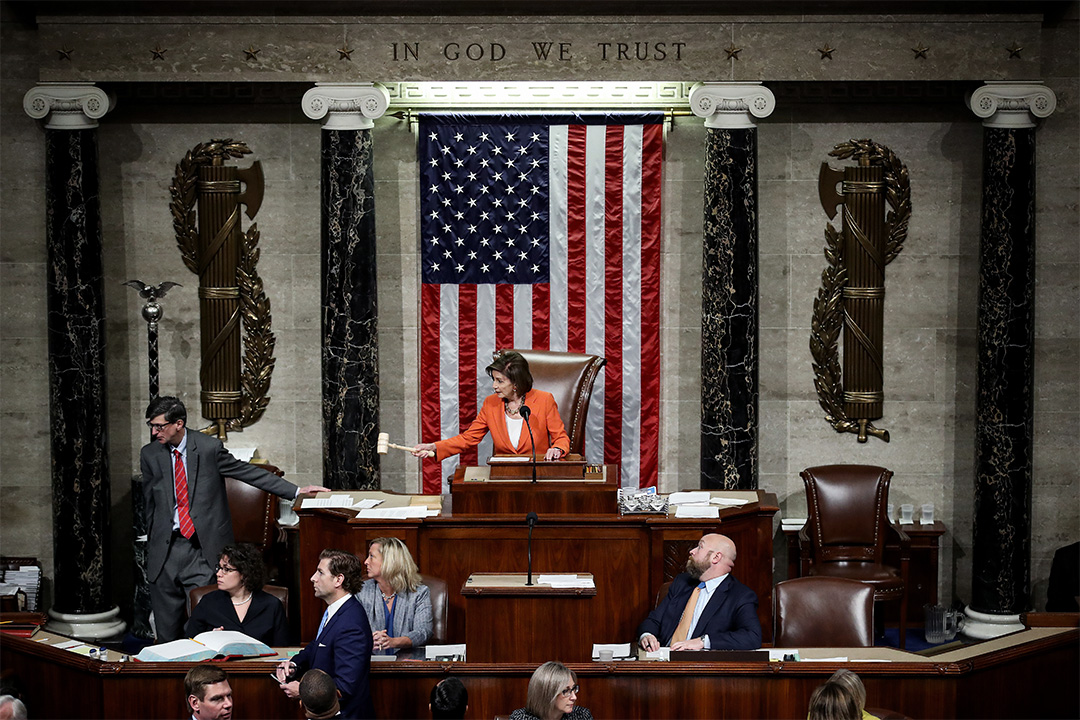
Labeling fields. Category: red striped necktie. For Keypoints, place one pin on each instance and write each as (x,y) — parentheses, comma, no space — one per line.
(187,528)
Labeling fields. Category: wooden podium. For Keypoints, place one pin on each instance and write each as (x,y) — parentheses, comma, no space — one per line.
(562,487)
(507,621)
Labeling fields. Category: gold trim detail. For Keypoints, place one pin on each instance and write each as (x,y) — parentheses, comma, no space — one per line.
(219,293)
(220,186)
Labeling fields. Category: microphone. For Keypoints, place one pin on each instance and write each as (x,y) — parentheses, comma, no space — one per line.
(525,412)
(531,519)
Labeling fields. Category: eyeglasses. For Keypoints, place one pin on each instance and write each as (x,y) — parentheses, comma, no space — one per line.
(568,691)
(224,569)
(158,426)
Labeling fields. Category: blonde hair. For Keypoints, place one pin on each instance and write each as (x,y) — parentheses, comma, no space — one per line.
(398,566)
(545,685)
(854,685)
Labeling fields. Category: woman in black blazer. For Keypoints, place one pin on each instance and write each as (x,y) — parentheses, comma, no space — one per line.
(240,603)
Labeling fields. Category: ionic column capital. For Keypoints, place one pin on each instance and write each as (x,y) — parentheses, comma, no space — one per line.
(1012,104)
(346,106)
(68,106)
(731,105)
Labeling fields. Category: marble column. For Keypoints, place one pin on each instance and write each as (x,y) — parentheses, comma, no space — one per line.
(729,283)
(1001,547)
(76,333)
(350,343)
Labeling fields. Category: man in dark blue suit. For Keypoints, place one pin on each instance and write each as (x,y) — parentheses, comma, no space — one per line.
(342,646)
(706,607)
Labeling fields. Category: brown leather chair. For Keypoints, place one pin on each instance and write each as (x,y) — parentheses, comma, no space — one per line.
(281,593)
(253,512)
(569,377)
(439,604)
(823,612)
(846,530)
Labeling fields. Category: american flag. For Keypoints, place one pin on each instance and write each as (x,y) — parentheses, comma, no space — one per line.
(542,232)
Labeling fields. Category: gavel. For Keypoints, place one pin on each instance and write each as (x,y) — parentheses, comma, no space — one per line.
(383,444)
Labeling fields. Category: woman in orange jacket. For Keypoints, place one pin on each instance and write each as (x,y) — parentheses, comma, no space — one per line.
(501,415)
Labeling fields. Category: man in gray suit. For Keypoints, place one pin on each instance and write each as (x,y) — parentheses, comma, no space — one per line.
(187,510)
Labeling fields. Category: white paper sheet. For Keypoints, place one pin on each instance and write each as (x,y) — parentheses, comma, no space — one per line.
(690,496)
(731,502)
(397,513)
(697,511)
(331,501)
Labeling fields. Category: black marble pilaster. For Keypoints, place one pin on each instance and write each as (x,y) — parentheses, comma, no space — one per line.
(1001,557)
(77,395)
(729,312)
(350,353)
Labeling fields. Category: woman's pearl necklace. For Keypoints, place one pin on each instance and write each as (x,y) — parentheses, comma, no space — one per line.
(242,602)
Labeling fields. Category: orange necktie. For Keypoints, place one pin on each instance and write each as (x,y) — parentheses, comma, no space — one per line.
(687,615)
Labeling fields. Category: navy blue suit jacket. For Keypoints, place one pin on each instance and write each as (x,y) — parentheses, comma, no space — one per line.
(343,652)
(730,619)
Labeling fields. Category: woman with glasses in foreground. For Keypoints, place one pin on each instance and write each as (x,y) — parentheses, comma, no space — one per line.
(240,603)
(553,691)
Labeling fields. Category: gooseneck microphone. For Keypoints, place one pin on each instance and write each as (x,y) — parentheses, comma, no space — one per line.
(531,519)
(524,411)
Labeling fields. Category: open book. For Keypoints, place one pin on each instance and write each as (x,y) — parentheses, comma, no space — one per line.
(213,645)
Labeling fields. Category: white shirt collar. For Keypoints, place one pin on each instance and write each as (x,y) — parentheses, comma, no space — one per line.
(336,605)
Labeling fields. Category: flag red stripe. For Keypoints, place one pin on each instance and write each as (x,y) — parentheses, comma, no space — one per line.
(652,155)
(541,324)
(467,363)
(575,231)
(613,292)
(430,430)
(504,317)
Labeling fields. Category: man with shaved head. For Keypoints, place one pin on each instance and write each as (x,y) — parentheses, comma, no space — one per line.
(706,608)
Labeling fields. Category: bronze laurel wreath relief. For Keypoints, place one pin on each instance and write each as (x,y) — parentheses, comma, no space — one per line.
(231,296)
(852,292)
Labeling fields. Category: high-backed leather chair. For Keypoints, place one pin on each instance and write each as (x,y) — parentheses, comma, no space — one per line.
(823,612)
(281,593)
(253,512)
(845,533)
(569,377)
(439,604)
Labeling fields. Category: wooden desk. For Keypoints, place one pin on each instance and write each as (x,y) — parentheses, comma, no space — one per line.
(629,557)
(1031,674)
(508,621)
(922,568)
(508,489)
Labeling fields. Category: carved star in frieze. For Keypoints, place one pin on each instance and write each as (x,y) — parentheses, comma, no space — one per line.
(920,51)
(732,52)
(64,54)
(345,53)
(158,53)
(252,52)
(1014,50)
(826,51)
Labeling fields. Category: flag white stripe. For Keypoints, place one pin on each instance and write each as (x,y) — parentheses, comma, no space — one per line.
(485,347)
(558,139)
(631,309)
(448,371)
(523,316)
(595,151)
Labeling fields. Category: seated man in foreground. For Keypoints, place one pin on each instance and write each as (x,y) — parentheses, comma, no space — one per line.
(706,608)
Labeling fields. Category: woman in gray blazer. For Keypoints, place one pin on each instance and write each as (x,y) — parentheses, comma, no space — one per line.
(393,592)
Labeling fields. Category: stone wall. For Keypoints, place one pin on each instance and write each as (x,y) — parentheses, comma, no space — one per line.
(929,315)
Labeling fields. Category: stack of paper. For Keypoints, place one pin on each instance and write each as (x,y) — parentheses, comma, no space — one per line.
(397,513)
(27,577)
(795,523)
(330,501)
